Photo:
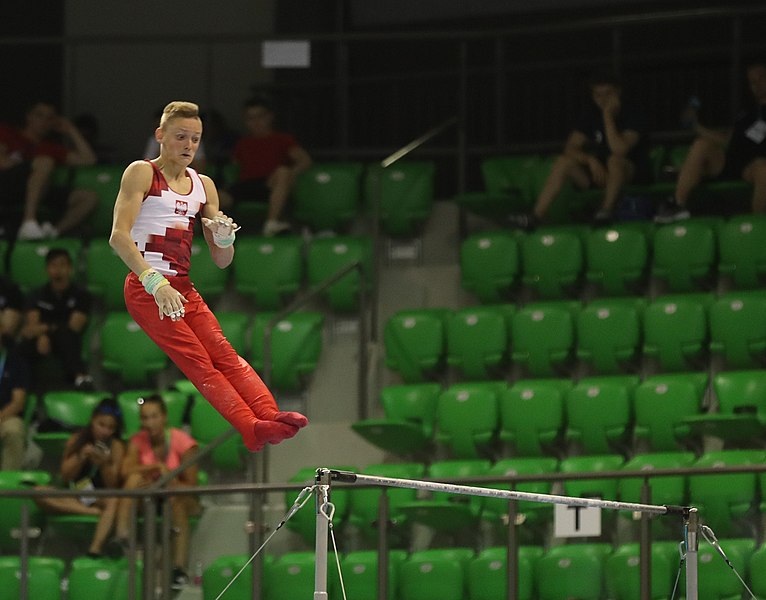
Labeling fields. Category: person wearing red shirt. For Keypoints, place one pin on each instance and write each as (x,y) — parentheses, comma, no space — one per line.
(269,162)
(28,157)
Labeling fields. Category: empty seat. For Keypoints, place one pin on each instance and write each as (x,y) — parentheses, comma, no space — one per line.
(438,574)
(269,270)
(209,279)
(234,325)
(360,573)
(664,490)
(405,191)
(742,248)
(415,343)
(206,424)
(608,336)
(489,265)
(622,573)
(617,260)
(599,415)
(326,196)
(296,345)
(477,342)
(104,180)
(488,573)
(408,425)
(91,578)
(684,256)
(552,263)
(105,274)
(605,489)
(44,577)
(326,257)
(219,574)
(716,580)
(127,351)
(292,576)
(542,340)
(676,333)
(532,416)
(738,330)
(467,418)
(572,571)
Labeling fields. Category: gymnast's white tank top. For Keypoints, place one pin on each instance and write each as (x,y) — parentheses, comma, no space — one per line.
(164,227)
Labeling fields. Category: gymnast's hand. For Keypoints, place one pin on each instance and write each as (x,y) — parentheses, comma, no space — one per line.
(170,303)
(222,228)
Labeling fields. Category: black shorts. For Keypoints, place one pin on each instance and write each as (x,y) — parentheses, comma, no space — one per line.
(250,190)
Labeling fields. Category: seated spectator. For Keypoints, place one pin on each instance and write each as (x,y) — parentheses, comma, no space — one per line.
(92,460)
(736,154)
(11,305)
(14,383)
(152,452)
(605,150)
(55,318)
(269,162)
(28,158)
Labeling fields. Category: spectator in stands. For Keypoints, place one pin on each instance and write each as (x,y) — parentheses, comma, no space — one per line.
(11,306)
(153,452)
(269,162)
(55,318)
(739,153)
(92,460)
(606,150)
(28,158)
(14,383)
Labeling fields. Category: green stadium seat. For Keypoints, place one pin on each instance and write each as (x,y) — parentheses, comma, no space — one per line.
(206,425)
(406,194)
(542,340)
(91,578)
(234,325)
(467,419)
(532,416)
(742,251)
(363,508)
(617,260)
(489,265)
(552,263)
(27,263)
(436,574)
(684,256)
(219,574)
(676,333)
(44,577)
(126,351)
(65,412)
(661,404)
(209,279)
(726,502)
(757,569)
(572,571)
(10,508)
(327,195)
(328,256)
(599,415)
(715,579)
(488,573)
(269,270)
(415,343)
(608,337)
(605,489)
(292,576)
(105,274)
(408,425)
(738,331)
(477,342)
(296,344)
(360,573)
(622,573)
(446,511)
(105,181)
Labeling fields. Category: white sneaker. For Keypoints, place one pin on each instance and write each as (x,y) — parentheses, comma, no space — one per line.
(49,231)
(30,230)
(272,227)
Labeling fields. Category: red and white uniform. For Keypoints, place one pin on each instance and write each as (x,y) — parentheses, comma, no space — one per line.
(163,233)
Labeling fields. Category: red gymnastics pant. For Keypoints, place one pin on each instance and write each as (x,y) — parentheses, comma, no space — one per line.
(197,346)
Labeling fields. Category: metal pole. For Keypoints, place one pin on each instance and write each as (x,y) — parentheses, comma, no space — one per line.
(645,548)
(256,523)
(383,504)
(167,547)
(24,552)
(150,514)
(512,561)
(362,362)
(691,536)
(322,498)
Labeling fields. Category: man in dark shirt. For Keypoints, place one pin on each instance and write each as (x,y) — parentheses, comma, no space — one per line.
(14,382)
(736,154)
(11,305)
(56,316)
(605,150)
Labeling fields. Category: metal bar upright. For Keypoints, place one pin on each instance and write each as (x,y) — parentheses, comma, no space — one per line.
(321,499)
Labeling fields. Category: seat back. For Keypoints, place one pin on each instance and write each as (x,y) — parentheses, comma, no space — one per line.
(44,577)
(326,196)
(292,576)
(105,274)
(477,342)
(127,351)
(532,416)
(623,576)
(741,391)
(572,571)
(617,260)
(219,574)
(206,425)
(269,270)
(598,415)
(415,343)
(488,573)
(738,330)
(489,265)
(10,508)
(676,333)
(434,575)
(234,325)
(327,256)
(742,251)
(684,256)
(716,580)
(467,418)
(542,339)
(608,336)
(664,490)
(406,193)
(104,180)
(591,488)
(497,508)
(27,263)
(296,344)
(209,279)
(360,573)
(552,263)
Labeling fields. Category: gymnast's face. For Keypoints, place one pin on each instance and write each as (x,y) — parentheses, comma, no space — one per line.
(180,139)
(153,419)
